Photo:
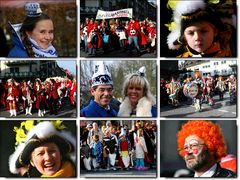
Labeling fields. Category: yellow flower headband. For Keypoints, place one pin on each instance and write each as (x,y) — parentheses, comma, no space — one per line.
(26,126)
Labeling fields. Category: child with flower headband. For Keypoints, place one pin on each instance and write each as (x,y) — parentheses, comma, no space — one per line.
(34,36)
(198,31)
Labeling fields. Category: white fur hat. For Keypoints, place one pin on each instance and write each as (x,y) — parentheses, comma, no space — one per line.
(43,132)
(183,8)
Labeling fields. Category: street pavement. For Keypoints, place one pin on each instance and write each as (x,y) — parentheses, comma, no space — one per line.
(221,109)
(66,111)
(119,53)
(151,173)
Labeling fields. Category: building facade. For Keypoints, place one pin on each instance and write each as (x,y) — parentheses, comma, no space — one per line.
(29,69)
(214,67)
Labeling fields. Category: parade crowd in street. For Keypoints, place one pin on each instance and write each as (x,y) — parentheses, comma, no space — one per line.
(109,147)
(116,34)
(175,91)
(37,96)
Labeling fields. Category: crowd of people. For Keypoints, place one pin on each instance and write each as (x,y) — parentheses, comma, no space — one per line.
(112,147)
(172,92)
(37,95)
(118,34)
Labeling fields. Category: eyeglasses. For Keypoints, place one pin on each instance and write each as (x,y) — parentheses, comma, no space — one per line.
(192,147)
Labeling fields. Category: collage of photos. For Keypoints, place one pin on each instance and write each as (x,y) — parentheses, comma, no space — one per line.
(119,89)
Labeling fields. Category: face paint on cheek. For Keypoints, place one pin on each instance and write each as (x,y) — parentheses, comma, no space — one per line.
(195,151)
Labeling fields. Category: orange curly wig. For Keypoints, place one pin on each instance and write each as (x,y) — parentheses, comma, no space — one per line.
(208,131)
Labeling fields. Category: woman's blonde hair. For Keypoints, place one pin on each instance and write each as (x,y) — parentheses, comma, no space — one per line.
(136,80)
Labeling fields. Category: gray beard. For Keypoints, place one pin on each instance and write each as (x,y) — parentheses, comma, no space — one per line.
(199,161)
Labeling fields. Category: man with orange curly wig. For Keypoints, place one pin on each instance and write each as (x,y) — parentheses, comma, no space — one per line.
(201,144)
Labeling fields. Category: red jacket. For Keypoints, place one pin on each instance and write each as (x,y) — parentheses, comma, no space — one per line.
(133,28)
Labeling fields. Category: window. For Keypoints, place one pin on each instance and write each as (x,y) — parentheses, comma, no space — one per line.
(14,70)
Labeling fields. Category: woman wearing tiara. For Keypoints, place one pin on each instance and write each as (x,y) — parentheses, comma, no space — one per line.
(138,100)
(34,36)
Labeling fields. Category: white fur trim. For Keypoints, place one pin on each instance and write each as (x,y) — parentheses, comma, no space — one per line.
(42,130)
(143,109)
(188,7)
(14,157)
(172,37)
(125,108)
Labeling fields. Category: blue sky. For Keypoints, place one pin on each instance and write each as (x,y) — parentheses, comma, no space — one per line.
(70,65)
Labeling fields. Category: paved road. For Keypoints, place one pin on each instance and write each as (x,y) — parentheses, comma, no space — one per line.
(221,109)
(119,173)
(66,111)
(120,53)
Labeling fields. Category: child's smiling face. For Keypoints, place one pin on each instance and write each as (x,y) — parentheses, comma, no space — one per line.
(200,35)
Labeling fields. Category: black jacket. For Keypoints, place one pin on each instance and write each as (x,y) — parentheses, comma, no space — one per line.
(221,172)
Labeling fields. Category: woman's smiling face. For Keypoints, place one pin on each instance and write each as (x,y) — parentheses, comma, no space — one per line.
(46,159)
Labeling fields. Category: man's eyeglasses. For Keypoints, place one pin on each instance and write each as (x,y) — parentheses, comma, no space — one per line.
(192,147)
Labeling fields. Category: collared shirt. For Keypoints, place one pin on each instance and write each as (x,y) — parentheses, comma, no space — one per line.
(209,173)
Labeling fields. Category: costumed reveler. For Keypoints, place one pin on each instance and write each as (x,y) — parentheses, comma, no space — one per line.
(209,85)
(174,87)
(45,150)
(198,98)
(232,88)
(203,28)
(12,96)
(221,86)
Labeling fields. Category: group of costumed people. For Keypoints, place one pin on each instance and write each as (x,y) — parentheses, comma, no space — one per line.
(199,89)
(33,37)
(138,100)
(43,149)
(102,147)
(203,28)
(126,35)
(38,95)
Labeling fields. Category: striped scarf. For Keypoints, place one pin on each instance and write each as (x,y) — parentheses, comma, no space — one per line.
(42,53)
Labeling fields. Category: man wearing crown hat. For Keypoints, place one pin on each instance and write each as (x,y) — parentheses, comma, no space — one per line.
(43,150)
(102,92)
(197,30)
